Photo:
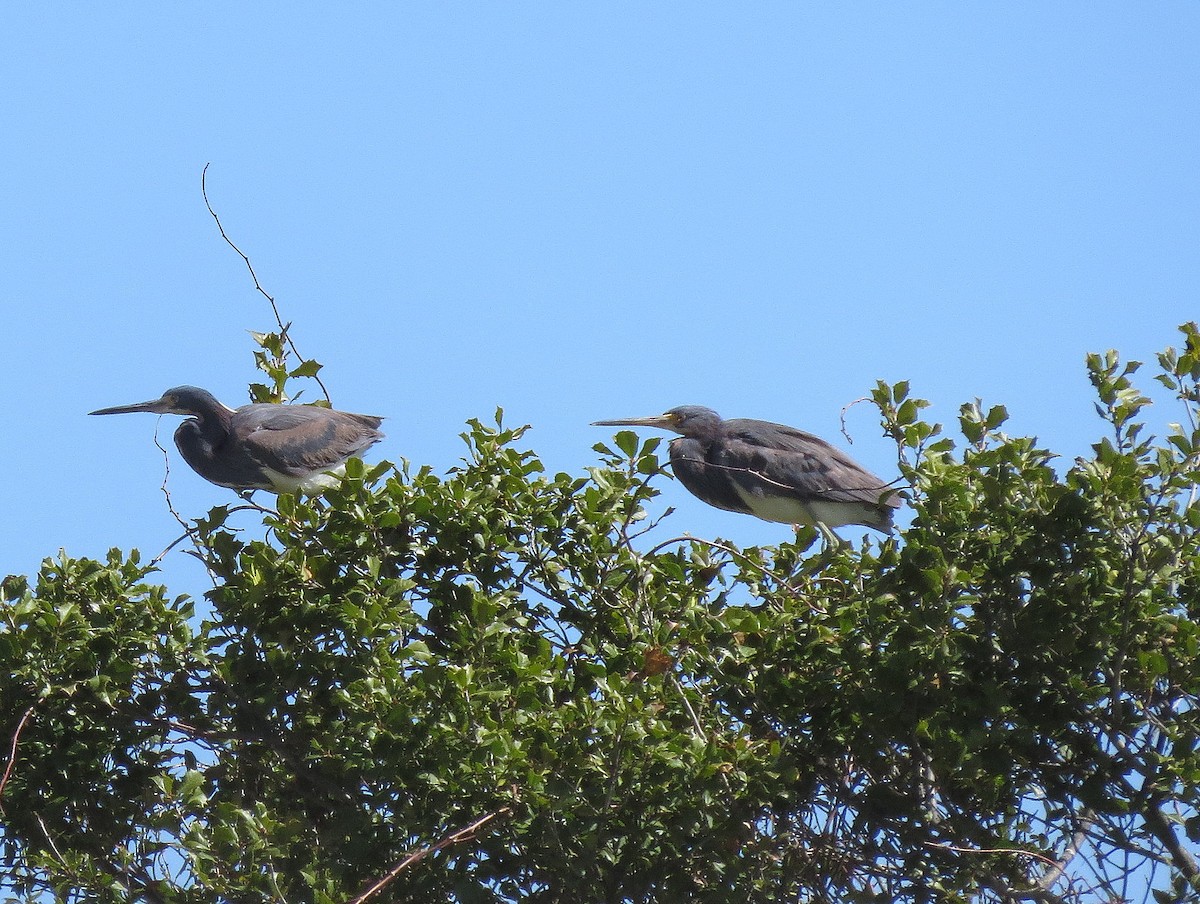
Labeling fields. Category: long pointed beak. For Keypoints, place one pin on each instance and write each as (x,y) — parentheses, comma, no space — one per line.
(158,406)
(661,421)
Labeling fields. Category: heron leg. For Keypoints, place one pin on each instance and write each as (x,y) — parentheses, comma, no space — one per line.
(829,540)
(832,540)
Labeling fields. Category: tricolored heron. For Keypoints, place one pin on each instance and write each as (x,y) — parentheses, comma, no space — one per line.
(279,448)
(774,472)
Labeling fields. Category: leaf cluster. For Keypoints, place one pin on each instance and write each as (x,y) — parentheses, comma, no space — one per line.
(1001,705)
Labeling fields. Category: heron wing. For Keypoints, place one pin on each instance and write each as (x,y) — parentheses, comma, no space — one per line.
(801,464)
(302,439)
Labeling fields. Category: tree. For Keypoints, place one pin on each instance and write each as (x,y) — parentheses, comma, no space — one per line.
(499,684)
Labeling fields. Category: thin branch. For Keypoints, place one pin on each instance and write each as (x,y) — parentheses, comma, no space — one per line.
(189,531)
(1003,886)
(166,478)
(842,417)
(465,834)
(162,555)
(283,329)
(187,528)
(688,706)
(1049,861)
(134,883)
(50,841)
(12,750)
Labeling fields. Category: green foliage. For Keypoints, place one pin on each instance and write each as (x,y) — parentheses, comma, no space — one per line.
(972,712)
(273,358)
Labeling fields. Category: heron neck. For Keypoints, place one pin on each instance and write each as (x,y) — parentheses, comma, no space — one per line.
(212,427)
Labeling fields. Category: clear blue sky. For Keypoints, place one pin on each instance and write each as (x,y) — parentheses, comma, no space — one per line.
(575,212)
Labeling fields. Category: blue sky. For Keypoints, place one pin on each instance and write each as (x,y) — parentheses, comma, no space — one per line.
(575,212)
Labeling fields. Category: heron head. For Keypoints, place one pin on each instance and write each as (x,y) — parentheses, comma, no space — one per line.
(686,419)
(187,400)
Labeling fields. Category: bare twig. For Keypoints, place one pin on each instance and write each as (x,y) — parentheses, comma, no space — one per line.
(465,834)
(162,555)
(12,751)
(283,329)
(842,417)
(1049,861)
(188,531)
(166,478)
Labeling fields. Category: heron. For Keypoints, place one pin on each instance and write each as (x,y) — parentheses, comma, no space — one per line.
(774,472)
(278,448)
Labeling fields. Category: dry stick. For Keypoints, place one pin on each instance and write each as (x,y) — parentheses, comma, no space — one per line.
(850,440)
(966,850)
(416,856)
(162,555)
(1041,889)
(248,507)
(188,532)
(165,490)
(254,276)
(845,408)
(12,751)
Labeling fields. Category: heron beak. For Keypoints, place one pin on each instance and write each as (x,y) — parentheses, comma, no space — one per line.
(158,406)
(661,421)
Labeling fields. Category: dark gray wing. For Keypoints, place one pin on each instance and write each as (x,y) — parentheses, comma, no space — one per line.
(302,439)
(802,465)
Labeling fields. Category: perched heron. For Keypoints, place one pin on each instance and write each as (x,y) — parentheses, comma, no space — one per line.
(774,472)
(279,448)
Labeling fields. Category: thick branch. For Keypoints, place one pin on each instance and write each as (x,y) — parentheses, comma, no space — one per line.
(1052,875)
(1160,828)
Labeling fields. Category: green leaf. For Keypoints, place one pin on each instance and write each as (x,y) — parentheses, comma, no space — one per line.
(627,442)
(308,368)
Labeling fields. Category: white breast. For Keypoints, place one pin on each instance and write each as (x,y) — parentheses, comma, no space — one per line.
(792,511)
(311,483)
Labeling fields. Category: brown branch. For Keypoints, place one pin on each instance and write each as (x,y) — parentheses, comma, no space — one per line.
(465,834)
(241,254)
(966,850)
(12,750)
(1002,886)
(283,329)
